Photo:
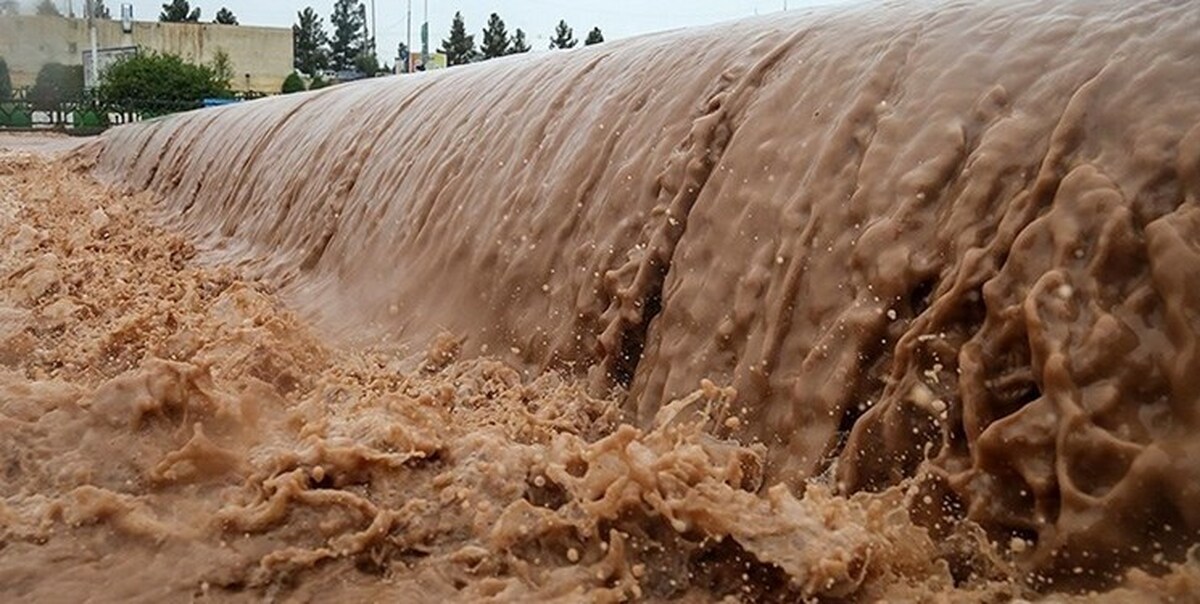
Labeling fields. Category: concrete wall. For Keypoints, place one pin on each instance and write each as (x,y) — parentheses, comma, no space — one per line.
(264,53)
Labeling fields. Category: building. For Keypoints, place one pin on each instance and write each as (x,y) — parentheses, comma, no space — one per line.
(261,56)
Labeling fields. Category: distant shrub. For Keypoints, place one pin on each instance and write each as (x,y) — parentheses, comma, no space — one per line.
(293,83)
(318,83)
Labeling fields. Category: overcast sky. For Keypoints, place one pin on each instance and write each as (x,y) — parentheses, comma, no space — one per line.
(616,18)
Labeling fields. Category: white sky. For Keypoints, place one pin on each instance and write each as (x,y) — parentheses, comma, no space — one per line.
(616,18)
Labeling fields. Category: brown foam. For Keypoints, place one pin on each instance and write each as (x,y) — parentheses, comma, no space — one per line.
(962,233)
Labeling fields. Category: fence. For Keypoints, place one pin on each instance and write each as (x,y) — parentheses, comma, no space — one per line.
(87,114)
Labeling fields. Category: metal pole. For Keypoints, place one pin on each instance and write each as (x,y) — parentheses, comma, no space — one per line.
(91,20)
(408,41)
(374,34)
(362,14)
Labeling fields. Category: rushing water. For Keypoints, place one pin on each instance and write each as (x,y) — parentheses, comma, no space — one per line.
(946,253)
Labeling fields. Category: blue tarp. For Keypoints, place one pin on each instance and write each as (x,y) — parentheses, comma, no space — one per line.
(219,102)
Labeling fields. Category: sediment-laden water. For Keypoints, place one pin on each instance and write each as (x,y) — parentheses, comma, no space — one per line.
(882,302)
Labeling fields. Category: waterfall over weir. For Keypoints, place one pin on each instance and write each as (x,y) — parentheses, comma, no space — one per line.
(964,232)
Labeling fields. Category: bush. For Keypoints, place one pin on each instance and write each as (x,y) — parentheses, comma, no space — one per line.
(222,67)
(293,83)
(5,80)
(55,84)
(318,83)
(367,64)
(160,83)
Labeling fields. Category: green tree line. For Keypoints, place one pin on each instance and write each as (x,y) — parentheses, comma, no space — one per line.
(460,47)
(181,11)
(348,46)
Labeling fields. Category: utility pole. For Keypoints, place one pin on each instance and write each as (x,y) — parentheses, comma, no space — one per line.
(374,33)
(425,39)
(408,41)
(362,14)
(91,22)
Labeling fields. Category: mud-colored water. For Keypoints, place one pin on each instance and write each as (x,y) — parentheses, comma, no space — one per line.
(884,302)
(170,432)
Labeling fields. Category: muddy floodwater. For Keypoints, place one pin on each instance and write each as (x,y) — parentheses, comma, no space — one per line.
(883,302)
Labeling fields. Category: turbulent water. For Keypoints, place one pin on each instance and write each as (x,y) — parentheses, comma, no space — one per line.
(882,302)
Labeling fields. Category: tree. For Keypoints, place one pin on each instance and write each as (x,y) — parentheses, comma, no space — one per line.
(459,48)
(46,8)
(308,43)
(9,7)
(5,81)
(349,33)
(495,38)
(519,45)
(222,67)
(157,83)
(225,17)
(594,37)
(564,37)
(179,11)
(99,11)
(55,84)
(292,83)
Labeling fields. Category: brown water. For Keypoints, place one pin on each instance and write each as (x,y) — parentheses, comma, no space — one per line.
(935,266)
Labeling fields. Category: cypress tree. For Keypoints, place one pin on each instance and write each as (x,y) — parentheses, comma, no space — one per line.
(564,37)
(308,43)
(519,45)
(225,17)
(178,11)
(495,38)
(349,34)
(459,48)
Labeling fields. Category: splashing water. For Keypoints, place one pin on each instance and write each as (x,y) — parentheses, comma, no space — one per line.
(942,255)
